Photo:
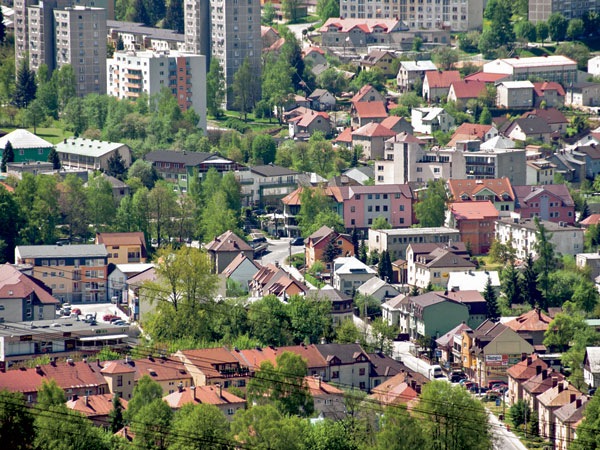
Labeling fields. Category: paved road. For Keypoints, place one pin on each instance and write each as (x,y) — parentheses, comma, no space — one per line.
(278,251)
(297,30)
(504,439)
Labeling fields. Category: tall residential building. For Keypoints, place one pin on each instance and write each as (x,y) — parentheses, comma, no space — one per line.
(540,10)
(197,26)
(21,29)
(81,42)
(184,74)
(458,15)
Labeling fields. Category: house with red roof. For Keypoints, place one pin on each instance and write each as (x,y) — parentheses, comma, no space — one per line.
(269,36)
(532,324)
(225,248)
(214,395)
(271,280)
(317,243)
(96,408)
(8,187)
(473,131)
(367,93)
(345,137)
(398,390)
(365,112)
(552,202)
(372,137)
(338,32)
(436,84)
(529,366)
(593,219)
(397,124)
(314,54)
(23,297)
(463,91)
(550,92)
(327,399)
(498,190)
(489,78)
(475,221)
(305,125)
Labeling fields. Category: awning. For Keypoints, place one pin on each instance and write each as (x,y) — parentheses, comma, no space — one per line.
(104,337)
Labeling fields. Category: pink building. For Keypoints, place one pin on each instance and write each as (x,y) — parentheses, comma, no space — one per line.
(551,202)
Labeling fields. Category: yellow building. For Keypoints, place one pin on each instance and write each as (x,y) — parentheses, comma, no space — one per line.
(124,248)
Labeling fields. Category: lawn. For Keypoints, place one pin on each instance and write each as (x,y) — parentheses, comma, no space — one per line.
(52,135)
(488,264)
(312,280)
(254,123)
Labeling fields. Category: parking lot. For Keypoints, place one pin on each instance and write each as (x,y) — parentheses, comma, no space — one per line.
(100,309)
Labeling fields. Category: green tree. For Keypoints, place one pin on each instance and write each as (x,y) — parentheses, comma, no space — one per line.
(502,253)
(100,202)
(137,12)
(25,87)
(381,223)
(120,44)
(525,31)
(531,293)
(269,13)
(347,332)
(384,335)
(511,285)
(587,437)
(283,385)
(486,117)
(491,301)
(54,159)
(263,149)
(397,422)
(444,410)
(580,53)
(65,81)
(385,270)
(144,393)
(34,114)
(277,86)
(50,394)
(312,202)
(330,435)
(310,318)
(215,88)
(557,26)
(520,414)
(16,422)
(73,205)
(546,261)
(74,115)
(445,57)
(244,82)
(430,211)
(174,16)
(2,29)
(203,423)
(8,156)
(269,321)
(145,171)
(156,10)
(290,9)
(575,29)
(115,417)
(417,44)
(355,241)
(585,296)
(541,31)
(321,154)
(332,250)
(151,425)
(116,166)
(468,42)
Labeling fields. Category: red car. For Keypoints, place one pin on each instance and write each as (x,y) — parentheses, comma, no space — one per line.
(109,317)
(76,311)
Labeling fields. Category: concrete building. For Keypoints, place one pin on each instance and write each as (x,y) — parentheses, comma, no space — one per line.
(197,21)
(541,10)
(411,71)
(551,202)
(583,94)
(475,221)
(124,248)
(81,42)
(372,137)
(428,120)
(137,36)
(498,191)
(184,74)
(492,162)
(594,66)
(433,268)
(396,240)
(90,154)
(591,367)
(515,94)
(350,274)
(551,68)
(591,260)
(266,184)
(539,172)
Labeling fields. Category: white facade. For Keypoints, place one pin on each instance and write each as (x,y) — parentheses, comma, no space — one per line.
(397,240)
(567,240)
(349,274)
(551,68)
(184,74)
(428,120)
(594,66)
(540,172)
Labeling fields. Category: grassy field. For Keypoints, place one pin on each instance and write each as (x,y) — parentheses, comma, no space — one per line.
(52,135)
(255,124)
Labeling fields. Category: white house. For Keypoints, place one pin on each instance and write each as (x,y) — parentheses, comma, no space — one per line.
(472,280)
(379,289)
(390,310)
(428,120)
(350,274)
(117,278)
(594,66)
(591,367)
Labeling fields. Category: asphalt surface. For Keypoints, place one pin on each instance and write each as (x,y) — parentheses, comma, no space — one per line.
(279,250)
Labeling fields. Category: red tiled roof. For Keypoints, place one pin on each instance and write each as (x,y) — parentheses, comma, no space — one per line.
(15,284)
(293,198)
(308,118)
(473,129)
(159,369)
(541,86)
(94,405)
(471,188)
(441,79)
(534,320)
(467,89)
(395,391)
(309,50)
(373,129)
(130,238)
(112,367)
(344,136)
(206,359)
(391,121)
(473,210)
(526,368)
(264,30)
(208,395)
(318,387)
(361,93)
(370,109)
(228,242)
(594,219)
(485,77)
(254,357)
(366,25)
(8,187)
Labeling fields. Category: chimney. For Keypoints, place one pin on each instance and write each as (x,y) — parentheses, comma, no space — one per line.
(572,398)
(180,386)
(220,390)
(126,359)
(554,382)
(74,397)
(38,370)
(70,362)
(193,388)
(86,400)
(318,378)
(545,374)
(560,387)
(529,360)
(98,362)
(523,356)
(538,370)
(578,403)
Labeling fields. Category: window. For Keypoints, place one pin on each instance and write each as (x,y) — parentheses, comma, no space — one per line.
(361,385)
(335,374)
(230,411)
(401,207)
(119,380)
(361,372)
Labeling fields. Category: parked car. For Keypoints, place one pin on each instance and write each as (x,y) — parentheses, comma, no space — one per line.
(120,323)
(456,376)
(298,241)
(110,317)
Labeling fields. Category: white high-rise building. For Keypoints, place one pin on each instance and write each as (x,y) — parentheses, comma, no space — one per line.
(184,74)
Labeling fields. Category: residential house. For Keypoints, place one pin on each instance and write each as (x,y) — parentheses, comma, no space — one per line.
(529,366)
(372,137)
(253,358)
(570,164)
(491,160)
(554,118)
(380,59)
(139,305)
(431,314)
(463,91)
(592,219)
(471,131)
(566,420)
(551,68)
(118,276)
(17,169)
(445,344)
(397,124)
(428,120)
(550,92)
(433,268)
(589,261)
(317,243)
(377,288)
(490,350)
(120,189)
(315,55)
(23,297)
(344,138)
(225,248)
(75,273)
(396,240)
(538,384)
(594,66)
(473,280)
(269,36)
(96,408)
(124,248)
(366,112)
(488,78)
(515,94)
(383,368)
(367,94)
(475,303)
(592,159)
(591,367)
(90,154)
(395,392)
(241,271)
(582,94)
(498,191)
(349,274)
(390,310)
(532,128)
(322,100)
(360,33)
(347,365)
(225,401)
(415,251)
(475,221)
(305,125)
(550,202)
(271,280)
(532,324)
(540,172)
(342,305)
(291,208)
(556,397)
(180,167)
(119,376)
(266,184)
(436,84)
(327,399)
(26,146)
(412,71)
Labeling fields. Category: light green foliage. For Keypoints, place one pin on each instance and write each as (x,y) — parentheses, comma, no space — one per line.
(546,261)
(397,422)
(202,424)
(486,117)
(312,202)
(100,202)
(557,26)
(144,171)
(329,435)
(151,425)
(269,323)
(277,86)
(575,29)
(332,80)
(310,318)
(431,208)
(366,304)
(215,88)
(374,77)
(541,31)
(384,335)
(269,13)
(525,31)
(502,253)
(347,332)
(283,385)
(381,223)
(244,88)
(445,57)
(579,53)
(145,392)
(11,222)
(263,149)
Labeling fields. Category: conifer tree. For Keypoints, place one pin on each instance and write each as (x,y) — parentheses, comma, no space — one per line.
(116,419)
(54,159)
(491,300)
(8,155)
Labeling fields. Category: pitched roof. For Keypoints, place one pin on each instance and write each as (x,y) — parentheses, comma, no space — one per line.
(228,242)
(236,262)
(272,170)
(441,257)
(405,137)
(208,359)
(373,129)
(375,56)
(353,265)
(264,30)
(23,139)
(538,61)
(391,121)
(593,219)
(320,234)
(542,382)
(396,301)
(498,142)
(467,89)
(294,198)
(370,109)
(328,292)
(8,187)
(15,284)
(592,151)
(159,369)
(94,405)
(572,412)
(62,251)
(527,368)
(526,193)
(470,188)
(372,285)
(473,210)
(532,125)
(472,130)
(254,357)
(182,157)
(395,391)
(442,79)
(344,136)
(87,147)
(346,353)
(362,92)
(384,366)
(559,395)
(309,117)
(318,387)
(209,395)
(448,338)
(366,25)
(317,93)
(550,115)
(113,367)
(534,320)
(542,86)
(130,238)
(309,50)
(418,66)
(485,77)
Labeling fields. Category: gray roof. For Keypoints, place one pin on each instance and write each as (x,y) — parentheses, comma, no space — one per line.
(115,182)
(140,28)
(329,293)
(272,170)
(372,285)
(429,298)
(87,147)
(417,66)
(529,224)
(592,355)
(62,251)
(44,327)
(23,139)
(533,125)
(347,353)
(185,157)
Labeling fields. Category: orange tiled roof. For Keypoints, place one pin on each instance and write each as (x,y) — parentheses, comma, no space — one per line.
(468,89)
(473,210)
(208,395)
(373,129)
(370,109)
(441,79)
(534,320)
(526,368)
(318,387)
(498,186)
(94,405)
